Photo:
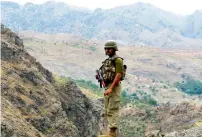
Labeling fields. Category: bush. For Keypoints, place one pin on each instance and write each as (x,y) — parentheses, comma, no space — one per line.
(93,48)
(124,94)
(152,102)
(86,84)
(190,86)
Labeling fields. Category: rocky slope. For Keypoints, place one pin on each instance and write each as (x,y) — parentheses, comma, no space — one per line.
(34,103)
(179,120)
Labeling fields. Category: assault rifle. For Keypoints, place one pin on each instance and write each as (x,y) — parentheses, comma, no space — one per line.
(100,78)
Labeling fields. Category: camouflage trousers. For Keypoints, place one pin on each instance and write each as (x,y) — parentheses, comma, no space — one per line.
(112,105)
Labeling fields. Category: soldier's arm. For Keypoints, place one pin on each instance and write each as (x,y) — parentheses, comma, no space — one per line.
(119,67)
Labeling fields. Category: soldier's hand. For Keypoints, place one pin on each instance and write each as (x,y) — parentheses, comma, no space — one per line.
(107,92)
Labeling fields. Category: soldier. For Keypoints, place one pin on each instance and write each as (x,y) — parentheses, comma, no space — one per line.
(112,72)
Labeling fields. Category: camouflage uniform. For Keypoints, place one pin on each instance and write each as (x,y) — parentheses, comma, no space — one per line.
(112,100)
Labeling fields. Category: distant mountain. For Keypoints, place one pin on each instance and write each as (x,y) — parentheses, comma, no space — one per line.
(193,25)
(137,23)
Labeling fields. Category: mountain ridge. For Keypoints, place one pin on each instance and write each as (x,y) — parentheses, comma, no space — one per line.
(128,24)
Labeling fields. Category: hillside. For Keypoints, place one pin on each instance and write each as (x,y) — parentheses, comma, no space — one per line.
(36,103)
(150,70)
(179,120)
(139,23)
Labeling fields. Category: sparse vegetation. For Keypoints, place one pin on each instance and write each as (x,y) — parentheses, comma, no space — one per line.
(93,48)
(61,80)
(142,101)
(90,86)
(148,99)
(132,127)
(190,86)
(87,84)
(76,46)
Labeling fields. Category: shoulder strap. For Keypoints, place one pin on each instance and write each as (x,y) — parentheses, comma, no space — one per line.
(115,57)
(105,60)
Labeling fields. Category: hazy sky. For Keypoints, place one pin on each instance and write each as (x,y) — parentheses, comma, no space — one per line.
(182,7)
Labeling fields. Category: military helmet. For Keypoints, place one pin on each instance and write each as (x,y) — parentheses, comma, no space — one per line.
(111,44)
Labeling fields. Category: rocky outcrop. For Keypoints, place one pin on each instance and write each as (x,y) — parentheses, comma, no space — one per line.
(11,37)
(183,119)
(193,132)
(84,113)
(179,120)
(34,103)
(182,116)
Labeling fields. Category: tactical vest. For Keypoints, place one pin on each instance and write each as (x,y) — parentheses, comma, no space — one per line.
(109,71)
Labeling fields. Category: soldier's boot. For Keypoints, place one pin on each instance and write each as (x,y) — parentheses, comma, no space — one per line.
(111,133)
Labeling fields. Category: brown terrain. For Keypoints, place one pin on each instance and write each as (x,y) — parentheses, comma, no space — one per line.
(36,103)
(152,70)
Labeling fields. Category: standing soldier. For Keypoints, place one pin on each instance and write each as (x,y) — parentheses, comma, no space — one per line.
(112,74)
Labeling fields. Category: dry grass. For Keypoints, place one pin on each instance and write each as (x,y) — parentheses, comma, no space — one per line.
(27,100)
(14,116)
(89,93)
(199,124)
(145,64)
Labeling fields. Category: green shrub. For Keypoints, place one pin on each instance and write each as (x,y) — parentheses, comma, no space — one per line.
(190,86)
(93,48)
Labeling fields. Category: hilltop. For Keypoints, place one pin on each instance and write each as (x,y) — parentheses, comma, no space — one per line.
(139,23)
